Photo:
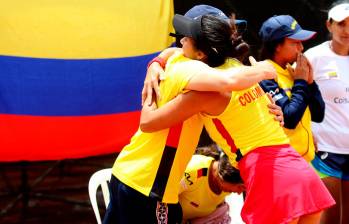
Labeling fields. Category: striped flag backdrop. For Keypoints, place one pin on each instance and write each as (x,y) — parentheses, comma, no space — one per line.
(71,74)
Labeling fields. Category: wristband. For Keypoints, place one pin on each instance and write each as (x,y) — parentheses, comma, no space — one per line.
(159,60)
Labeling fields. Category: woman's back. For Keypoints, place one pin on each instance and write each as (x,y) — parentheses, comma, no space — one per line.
(246,123)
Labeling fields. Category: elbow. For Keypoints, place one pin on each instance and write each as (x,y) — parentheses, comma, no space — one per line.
(145,127)
(229,85)
(290,123)
(318,118)
(318,115)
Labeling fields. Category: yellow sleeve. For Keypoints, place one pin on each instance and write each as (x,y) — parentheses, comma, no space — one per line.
(179,70)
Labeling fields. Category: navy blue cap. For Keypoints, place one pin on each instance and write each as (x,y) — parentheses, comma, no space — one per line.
(278,27)
(200,10)
(187,26)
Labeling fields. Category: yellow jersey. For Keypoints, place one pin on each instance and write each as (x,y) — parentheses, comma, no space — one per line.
(245,124)
(196,197)
(154,163)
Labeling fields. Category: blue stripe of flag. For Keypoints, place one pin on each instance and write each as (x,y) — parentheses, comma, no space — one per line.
(69,87)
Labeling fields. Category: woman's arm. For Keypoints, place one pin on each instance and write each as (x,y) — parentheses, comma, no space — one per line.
(186,105)
(155,73)
(233,79)
(206,78)
(175,111)
(293,108)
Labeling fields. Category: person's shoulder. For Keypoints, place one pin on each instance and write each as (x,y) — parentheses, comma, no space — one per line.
(179,58)
(176,57)
(180,68)
(178,63)
(199,162)
(229,63)
(202,159)
(318,50)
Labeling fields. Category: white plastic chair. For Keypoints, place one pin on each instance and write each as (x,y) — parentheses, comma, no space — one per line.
(99,178)
(235,202)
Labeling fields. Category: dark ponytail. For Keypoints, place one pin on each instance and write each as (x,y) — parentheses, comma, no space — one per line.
(220,40)
(240,48)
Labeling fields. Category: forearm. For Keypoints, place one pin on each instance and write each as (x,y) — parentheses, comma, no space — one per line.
(172,113)
(155,72)
(233,79)
(150,121)
(167,53)
(243,77)
(294,109)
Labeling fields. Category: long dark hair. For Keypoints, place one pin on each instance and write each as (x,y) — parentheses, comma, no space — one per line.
(227,171)
(219,41)
(211,150)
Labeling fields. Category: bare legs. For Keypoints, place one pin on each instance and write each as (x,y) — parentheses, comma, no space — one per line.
(339,190)
(313,218)
(332,215)
(345,201)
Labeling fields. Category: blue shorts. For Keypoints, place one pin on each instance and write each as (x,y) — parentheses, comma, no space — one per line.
(332,164)
(130,206)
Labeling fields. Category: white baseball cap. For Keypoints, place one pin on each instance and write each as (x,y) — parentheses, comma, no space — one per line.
(339,12)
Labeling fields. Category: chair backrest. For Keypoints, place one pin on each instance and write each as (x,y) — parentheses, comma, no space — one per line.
(99,178)
(236,202)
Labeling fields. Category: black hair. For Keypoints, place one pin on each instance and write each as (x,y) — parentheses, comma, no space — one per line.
(219,41)
(227,171)
(268,49)
(211,150)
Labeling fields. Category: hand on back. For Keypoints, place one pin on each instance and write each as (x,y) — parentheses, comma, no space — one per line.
(151,82)
(264,67)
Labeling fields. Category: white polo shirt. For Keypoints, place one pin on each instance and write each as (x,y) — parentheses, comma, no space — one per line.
(331,72)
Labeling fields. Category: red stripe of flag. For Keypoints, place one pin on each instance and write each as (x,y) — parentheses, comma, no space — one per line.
(34,138)
(225,134)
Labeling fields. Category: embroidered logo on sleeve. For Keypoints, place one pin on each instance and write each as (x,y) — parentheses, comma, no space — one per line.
(276,95)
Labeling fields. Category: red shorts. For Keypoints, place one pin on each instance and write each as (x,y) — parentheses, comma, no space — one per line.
(280,186)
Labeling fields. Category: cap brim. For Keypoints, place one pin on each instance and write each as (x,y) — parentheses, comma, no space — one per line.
(183,25)
(339,12)
(241,24)
(339,18)
(302,35)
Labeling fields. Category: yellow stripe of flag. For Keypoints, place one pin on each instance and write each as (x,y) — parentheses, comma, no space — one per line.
(84,28)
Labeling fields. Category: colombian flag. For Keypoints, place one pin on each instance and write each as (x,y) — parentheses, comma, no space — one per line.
(71,74)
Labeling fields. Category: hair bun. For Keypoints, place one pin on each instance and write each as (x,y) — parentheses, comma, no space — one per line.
(240,47)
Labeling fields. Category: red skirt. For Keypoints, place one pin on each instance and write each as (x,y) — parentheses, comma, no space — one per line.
(280,186)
